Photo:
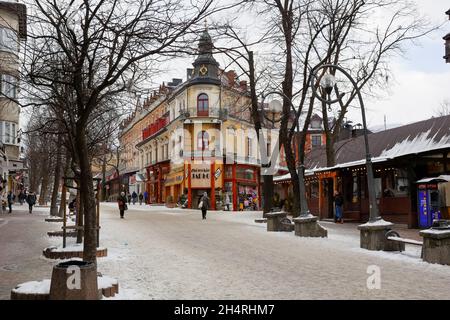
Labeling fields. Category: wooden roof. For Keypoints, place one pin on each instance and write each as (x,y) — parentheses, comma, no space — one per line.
(415,138)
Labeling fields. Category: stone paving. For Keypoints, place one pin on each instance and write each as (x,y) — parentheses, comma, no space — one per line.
(160,253)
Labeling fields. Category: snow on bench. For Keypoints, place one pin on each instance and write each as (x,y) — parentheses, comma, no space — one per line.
(409,241)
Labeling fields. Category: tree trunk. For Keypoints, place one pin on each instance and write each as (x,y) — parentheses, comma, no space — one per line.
(80,214)
(87,197)
(64,193)
(268,190)
(290,159)
(103,186)
(57,179)
(44,187)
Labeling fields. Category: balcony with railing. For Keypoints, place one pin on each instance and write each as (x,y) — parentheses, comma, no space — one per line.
(155,127)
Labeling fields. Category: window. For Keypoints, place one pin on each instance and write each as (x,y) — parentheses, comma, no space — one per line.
(8,39)
(202,105)
(249,147)
(315,124)
(245,173)
(316,140)
(202,140)
(7,132)
(9,86)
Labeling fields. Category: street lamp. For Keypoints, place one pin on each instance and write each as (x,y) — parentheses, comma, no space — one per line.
(376,225)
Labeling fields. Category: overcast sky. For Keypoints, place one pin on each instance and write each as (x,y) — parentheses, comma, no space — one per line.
(421,83)
(422,78)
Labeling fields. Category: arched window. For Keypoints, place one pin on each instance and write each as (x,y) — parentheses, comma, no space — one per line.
(202,105)
(202,140)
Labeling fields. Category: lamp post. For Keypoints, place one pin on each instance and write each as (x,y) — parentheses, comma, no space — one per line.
(373,232)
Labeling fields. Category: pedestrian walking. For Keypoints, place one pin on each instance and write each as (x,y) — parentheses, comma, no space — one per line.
(141,197)
(145,197)
(204,205)
(10,200)
(129,198)
(3,201)
(227,202)
(21,197)
(134,196)
(31,200)
(122,202)
(338,203)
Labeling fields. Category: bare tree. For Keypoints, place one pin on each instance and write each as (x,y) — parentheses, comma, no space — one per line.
(444,109)
(362,46)
(89,52)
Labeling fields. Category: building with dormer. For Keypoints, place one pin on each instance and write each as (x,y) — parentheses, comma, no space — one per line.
(193,137)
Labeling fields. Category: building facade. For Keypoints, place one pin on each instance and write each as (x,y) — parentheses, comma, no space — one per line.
(196,136)
(13,29)
(401,157)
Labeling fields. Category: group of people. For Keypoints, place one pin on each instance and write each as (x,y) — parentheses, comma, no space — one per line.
(134,197)
(204,204)
(9,198)
(123,200)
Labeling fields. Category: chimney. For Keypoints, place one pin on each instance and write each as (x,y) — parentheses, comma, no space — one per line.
(243,85)
(231,77)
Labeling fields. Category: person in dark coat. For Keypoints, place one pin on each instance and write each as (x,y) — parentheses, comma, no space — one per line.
(129,198)
(141,197)
(134,196)
(145,197)
(338,203)
(31,200)
(204,204)
(122,202)
(10,199)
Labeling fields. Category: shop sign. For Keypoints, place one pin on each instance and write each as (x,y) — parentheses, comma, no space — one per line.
(201,176)
(173,179)
(217,173)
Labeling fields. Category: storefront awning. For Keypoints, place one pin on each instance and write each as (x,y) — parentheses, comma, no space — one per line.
(174,178)
(140,177)
(442,178)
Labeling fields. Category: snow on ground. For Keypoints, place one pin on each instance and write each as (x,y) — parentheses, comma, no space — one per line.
(36,287)
(161,253)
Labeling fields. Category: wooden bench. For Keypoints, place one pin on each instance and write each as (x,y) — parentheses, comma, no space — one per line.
(392,235)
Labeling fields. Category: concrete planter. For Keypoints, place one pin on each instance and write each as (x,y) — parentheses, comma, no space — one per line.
(64,287)
(274,220)
(436,246)
(373,236)
(309,227)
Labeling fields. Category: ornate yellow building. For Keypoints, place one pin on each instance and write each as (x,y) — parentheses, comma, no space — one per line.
(193,137)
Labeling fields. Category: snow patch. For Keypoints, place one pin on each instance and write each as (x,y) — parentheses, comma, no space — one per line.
(378,223)
(33,287)
(420,143)
(106,282)
(71,248)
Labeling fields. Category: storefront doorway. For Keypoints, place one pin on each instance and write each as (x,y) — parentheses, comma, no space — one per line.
(328,198)
(196,196)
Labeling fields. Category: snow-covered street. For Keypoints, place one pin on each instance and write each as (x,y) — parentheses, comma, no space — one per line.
(160,253)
